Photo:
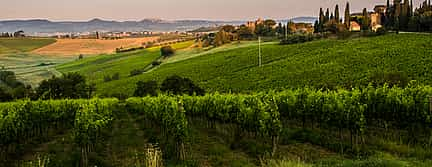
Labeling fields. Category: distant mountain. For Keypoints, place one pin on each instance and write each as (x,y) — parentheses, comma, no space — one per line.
(301,20)
(46,26)
(39,26)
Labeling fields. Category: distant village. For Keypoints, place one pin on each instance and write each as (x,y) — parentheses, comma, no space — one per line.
(396,16)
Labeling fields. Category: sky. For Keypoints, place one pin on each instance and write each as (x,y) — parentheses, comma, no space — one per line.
(123,10)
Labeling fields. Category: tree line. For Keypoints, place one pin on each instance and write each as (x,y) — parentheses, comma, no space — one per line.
(402,16)
(75,86)
(11,35)
(397,16)
(228,33)
(68,86)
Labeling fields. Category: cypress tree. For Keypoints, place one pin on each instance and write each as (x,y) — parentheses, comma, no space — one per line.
(327,15)
(404,15)
(397,7)
(347,15)
(365,21)
(411,11)
(336,16)
(321,16)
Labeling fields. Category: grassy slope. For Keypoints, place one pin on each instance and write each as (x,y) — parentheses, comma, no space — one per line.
(325,62)
(95,68)
(17,45)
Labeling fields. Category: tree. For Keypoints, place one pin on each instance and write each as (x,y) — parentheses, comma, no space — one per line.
(22,92)
(321,17)
(347,15)
(9,79)
(317,27)
(228,28)
(221,38)
(365,25)
(280,30)
(146,88)
(177,85)
(245,32)
(69,86)
(336,15)
(167,51)
(404,18)
(270,23)
(19,33)
(327,16)
(321,21)
(4,95)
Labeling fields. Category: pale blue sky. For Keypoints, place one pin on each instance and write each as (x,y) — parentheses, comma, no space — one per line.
(172,9)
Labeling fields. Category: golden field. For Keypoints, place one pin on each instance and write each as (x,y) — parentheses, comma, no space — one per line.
(73,47)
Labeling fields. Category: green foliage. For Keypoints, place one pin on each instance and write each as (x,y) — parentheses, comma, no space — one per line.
(135,72)
(177,85)
(165,112)
(167,51)
(71,85)
(95,68)
(4,95)
(322,63)
(11,88)
(32,121)
(122,50)
(146,88)
(300,38)
(17,45)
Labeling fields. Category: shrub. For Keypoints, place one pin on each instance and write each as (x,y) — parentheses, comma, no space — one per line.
(167,51)
(121,50)
(381,31)
(81,56)
(391,78)
(156,63)
(177,85)
(300,38)
(72,86)
(344,34)
(135,72)
(107,78)
(146,88)
(116,76)
(4,95)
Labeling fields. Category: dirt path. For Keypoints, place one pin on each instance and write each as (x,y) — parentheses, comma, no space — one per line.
(43,149)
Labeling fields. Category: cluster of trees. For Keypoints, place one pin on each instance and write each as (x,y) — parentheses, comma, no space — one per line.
(402,16)
(5,35)
(229,33)
(332,22)
(69,86)
(10,35)
(175,85)
(11,88)
(398,16)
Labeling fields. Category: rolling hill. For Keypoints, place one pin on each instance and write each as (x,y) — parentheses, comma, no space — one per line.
(17,45)
(323,63)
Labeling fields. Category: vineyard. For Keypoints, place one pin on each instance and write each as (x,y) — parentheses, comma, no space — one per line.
(351,118)
(320,64)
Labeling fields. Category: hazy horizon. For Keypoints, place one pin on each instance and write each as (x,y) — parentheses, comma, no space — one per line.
(135,10)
